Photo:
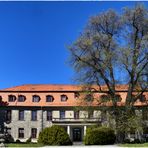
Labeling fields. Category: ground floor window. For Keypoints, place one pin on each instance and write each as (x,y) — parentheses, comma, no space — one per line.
(33,133)
(21,133)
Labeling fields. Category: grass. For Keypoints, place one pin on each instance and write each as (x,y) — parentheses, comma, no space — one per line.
(23,145)
(134,145)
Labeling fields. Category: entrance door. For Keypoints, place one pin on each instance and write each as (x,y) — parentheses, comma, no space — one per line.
(76,134)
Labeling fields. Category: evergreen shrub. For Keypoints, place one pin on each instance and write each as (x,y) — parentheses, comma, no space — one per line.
(54,135)
(99,136)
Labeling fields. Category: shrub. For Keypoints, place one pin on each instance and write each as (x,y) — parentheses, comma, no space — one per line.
(54,135)
(28,140)
(18,141)
(99,136)
(8,138)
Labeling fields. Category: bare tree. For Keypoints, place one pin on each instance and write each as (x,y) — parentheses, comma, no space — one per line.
(110,43)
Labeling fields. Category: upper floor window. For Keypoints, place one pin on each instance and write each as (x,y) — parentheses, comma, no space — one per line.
(21,133)
(90,114)
(49,98)
(33,132)
(62,114)
(21,98)
(34,115)
(64,98)
(11,98)
(76,114)
(35,98)
(21,115)
(49,115)
(8,115)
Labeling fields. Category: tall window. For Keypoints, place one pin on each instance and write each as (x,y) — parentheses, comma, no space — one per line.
(8,115)
(35,98)
(21,114)
(21,98)
(49,98)
(34,115)
(90,114)
(62,114)
(76,114)
(11,98)
(33,132)
(49,115)
(21,133)
(64,98)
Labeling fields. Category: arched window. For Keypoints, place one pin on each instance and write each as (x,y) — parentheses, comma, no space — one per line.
(11,98)
(49,98)
(64,98)
(21,98)
(35,98)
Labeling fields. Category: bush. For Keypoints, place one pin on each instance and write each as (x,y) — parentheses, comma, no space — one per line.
(99,136)
(28,140)
(18,141)
(8,138)
(54,135)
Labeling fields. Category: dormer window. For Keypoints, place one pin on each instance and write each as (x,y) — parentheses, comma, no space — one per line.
(11,98)
(35,98)
(21,98)
(89,98)
(49,98)
(142,98)
(64,98)
(76,95)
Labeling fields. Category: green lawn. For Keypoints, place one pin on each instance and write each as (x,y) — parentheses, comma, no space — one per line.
(24,145)
(134,145)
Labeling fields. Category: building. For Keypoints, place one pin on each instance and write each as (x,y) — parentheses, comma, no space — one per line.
(33,107)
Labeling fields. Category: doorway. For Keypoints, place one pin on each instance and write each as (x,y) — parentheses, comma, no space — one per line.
(77,134)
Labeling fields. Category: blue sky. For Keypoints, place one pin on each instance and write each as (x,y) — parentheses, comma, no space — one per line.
(34,36)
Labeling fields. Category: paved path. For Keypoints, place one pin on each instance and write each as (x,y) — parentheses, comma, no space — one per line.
(83,146)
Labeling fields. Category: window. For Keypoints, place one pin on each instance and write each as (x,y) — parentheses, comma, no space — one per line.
(8,115)
(11,98)
(76,114)
(49,98)
(142,98)
(76,95)
(21,133)
(49,115)
(21,114)
(90,114)
(33,133)
(36,98)
(21,98)
(62,114)
(64,98)
(89,98)
(34,115)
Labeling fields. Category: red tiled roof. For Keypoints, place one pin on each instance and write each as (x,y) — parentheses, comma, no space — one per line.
(55,87)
